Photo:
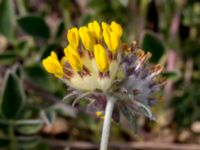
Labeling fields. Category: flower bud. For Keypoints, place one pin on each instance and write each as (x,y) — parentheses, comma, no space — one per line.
(73,37)
(52,65)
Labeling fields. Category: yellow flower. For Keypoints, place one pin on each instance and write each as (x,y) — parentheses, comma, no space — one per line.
(88,64)
(95,28)
(111,38)
(106,27)
(116,28)
(101,57)
(73,37)
(87,38)
(73,58)
(52,65)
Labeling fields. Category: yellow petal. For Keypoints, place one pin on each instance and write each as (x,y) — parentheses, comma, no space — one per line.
(106,27)
(54,55)
(111,40)
(70,50)
(63,60)
(87,38)
(114,41)
(116,28)
(73,37)
(106,36)
(73,58)
(95,28)
(52,65)
(101,58)
(110,37)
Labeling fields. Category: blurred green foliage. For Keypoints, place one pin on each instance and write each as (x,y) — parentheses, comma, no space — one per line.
(30,30)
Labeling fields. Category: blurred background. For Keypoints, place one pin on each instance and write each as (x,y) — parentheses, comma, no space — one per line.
(32,114)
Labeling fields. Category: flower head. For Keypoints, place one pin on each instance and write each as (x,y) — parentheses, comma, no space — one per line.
(97,64)
(91,59)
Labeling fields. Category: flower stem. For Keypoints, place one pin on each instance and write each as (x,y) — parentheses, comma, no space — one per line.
(13,145)
(106,123)
(21,6)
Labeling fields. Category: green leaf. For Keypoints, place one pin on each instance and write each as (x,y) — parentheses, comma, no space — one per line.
(12,96)
(7,57)
(28,127)
(38,76)
(28,142)
(7,18)
(154,45)
(34,26)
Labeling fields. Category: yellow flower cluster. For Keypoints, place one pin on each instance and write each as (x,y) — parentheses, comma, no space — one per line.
(98,41)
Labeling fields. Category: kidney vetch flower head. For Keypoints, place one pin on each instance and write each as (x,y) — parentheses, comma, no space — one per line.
(97,66)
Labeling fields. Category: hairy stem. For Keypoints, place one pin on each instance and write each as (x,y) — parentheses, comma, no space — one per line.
(106,123)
